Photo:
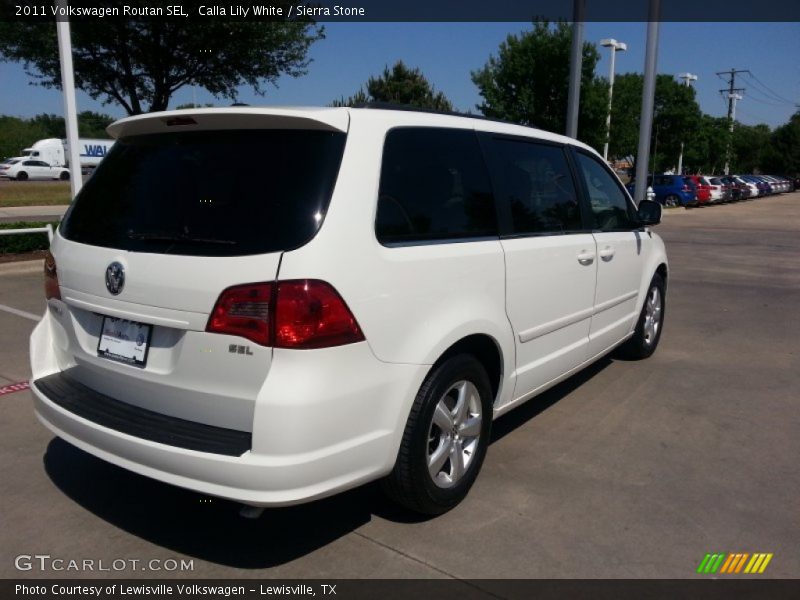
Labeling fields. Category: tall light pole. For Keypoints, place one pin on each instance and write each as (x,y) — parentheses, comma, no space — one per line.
(688,78)
(648,95)
(575,61)
(70,107)
(615,47)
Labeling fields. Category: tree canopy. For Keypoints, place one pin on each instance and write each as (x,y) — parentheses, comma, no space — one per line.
(16,133)
(677,118)
(399,85)
(528,82)
(782,155)
(140,64)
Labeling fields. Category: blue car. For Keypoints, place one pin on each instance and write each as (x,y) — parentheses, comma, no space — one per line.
(672,190)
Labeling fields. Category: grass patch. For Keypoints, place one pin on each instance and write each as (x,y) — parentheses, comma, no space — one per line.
(18,193)
(24,242)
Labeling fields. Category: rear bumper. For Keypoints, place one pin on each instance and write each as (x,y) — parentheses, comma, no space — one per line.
(325,421)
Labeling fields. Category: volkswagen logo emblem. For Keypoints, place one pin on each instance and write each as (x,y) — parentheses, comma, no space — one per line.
(115,278)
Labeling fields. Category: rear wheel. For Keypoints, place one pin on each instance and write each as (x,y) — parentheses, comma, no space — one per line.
(445,439)
(22,176)
(672,201)
(64,176)
(651,321)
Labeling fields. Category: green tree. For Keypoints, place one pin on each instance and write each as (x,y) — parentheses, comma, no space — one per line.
(782,154)
(139,63)
(749,143)
(16,134)
(52,124)
(90,124)
(676,118)
(528,82)
(93,125)
(704,150)
(399,85)
(191,105)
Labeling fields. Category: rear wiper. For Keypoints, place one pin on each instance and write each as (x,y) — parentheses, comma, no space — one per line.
(163,236)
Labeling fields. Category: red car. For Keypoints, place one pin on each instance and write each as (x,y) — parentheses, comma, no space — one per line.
(703,186)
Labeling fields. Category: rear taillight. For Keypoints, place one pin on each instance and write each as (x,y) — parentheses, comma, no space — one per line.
(244,310)
(300,314)
(51,289)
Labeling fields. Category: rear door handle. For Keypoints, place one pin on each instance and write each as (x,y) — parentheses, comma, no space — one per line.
(586,258)
(607,253)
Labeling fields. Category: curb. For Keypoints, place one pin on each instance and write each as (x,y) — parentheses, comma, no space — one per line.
(21,267)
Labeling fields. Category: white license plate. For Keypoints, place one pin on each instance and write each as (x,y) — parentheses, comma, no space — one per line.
(124,341)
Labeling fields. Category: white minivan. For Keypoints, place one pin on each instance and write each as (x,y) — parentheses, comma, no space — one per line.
(360,306)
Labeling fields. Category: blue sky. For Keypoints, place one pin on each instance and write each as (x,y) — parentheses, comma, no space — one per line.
(447,52)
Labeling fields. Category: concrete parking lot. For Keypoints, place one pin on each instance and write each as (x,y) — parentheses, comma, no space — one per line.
(629,469)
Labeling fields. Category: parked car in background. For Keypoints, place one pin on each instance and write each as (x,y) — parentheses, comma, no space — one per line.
(751,186)
(739,191)
(789,183)
(774,186)
(767,187)
(720,191)
(778,184)
(22,169)
(761,186)
(671,190)
(703,186)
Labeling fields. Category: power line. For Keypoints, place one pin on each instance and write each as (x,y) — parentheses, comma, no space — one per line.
(754,116)
(767,101)
(771,92)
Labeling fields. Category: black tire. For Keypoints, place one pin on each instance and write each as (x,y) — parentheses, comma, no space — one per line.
(22,176)
(644,342)
(410,483)
(672,201)
(64,176)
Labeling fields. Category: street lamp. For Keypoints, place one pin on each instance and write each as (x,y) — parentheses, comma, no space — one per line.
(688,78)
(615,47)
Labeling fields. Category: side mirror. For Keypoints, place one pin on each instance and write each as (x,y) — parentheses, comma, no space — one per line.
(649,212)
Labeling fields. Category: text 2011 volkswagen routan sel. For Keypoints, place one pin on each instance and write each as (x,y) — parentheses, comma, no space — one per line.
(272,305)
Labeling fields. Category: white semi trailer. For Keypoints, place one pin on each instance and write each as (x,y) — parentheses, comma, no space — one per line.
(55,152)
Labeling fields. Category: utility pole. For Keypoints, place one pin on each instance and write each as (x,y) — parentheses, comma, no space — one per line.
(733,95)
(688,79)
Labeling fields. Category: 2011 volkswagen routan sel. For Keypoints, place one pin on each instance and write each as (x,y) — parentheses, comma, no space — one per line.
(273,305)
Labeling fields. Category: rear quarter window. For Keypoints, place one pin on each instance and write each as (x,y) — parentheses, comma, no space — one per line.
(434,186)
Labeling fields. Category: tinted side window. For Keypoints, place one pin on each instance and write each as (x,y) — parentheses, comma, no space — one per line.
(536,184)
(434,186)
(609,203)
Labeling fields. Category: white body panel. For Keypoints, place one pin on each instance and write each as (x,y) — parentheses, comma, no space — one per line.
(328,419)
(550,286)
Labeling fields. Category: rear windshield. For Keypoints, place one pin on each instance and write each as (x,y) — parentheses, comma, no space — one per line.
(215,193)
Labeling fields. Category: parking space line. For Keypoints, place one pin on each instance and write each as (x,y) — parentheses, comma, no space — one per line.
(20,313)
(14,387)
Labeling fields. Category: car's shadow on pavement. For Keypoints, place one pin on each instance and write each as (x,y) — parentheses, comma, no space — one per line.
(212,530)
